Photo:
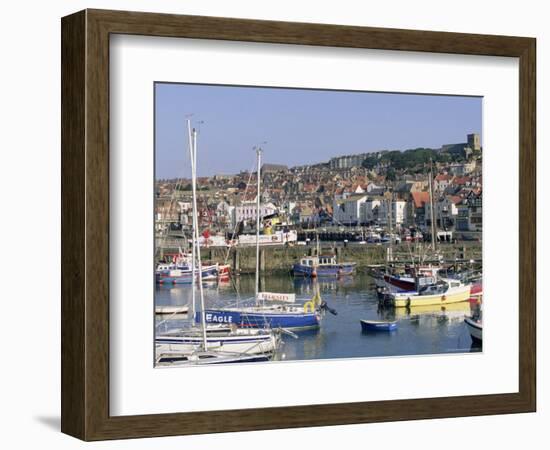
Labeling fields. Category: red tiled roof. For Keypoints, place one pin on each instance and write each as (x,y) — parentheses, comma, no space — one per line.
(461,180)
(443,177)
(310,187)
(455,199)
(419,198)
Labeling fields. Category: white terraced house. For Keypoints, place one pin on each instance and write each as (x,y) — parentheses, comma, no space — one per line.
(347,210)
(376,210)
(246,211)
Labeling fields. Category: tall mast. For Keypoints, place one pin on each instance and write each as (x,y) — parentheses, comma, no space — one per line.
(432,212)
(390,211)
(258,204)
(317,243)
(193,254)
(389,252)
(196,236)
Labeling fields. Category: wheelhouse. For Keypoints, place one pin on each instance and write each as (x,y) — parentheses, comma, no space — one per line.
(318,261)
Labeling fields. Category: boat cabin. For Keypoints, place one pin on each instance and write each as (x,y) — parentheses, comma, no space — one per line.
(439,287)
(314,261)
(433,289)
(165,267)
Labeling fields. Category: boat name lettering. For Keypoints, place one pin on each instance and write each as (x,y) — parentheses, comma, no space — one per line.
(220,319)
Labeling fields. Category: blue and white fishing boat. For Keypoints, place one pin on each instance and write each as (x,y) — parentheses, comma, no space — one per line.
(179,271)
(322,266)
(184,276)
(269,310)
(378,325)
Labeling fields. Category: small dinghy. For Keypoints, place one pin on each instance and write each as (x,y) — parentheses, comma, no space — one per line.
(378,325)
(475,328)
(474,322)
(171,309)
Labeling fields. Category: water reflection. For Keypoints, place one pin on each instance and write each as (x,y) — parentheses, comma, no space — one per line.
(328,284)
(452,311)
(421,330)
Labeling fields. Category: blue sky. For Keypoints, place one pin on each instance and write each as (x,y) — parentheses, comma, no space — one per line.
(300,126)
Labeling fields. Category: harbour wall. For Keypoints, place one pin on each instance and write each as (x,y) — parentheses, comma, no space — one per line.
(281,258)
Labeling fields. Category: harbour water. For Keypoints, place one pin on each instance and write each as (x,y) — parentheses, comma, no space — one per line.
(420,331)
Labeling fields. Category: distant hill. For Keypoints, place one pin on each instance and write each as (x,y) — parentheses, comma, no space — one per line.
(408,159)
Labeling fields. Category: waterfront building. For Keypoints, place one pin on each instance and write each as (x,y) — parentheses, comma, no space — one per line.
(169,212)
(375,210)
(247,210)
(470,213)
(446,211)
(347,210)
(308,216)
(417,213)
(398,212)
(224,213)
(370,211)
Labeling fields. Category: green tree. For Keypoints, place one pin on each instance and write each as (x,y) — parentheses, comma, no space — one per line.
(370,162)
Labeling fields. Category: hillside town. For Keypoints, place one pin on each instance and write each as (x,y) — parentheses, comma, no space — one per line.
(376,189)
(343,248)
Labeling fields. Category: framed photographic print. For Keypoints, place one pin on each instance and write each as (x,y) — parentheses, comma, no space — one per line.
(273,225)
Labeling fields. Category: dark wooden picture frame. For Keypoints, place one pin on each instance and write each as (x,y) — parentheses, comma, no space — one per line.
(85,224)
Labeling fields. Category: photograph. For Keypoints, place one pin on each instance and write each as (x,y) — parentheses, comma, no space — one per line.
(297,224)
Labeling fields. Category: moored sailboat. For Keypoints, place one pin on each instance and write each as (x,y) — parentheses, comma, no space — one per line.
(203,358)
(281,310)
(206,344)
(227,339)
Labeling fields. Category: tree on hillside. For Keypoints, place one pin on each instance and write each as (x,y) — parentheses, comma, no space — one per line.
(390,174)
(410,159)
